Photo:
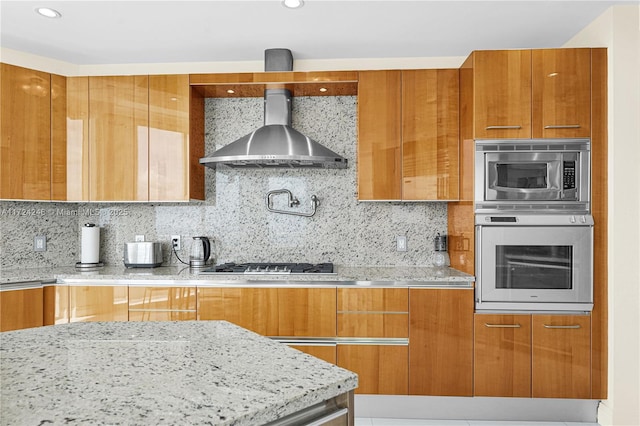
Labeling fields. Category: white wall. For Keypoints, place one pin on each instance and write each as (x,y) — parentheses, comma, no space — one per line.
(618,29)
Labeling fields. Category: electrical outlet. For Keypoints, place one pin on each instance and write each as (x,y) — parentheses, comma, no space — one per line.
(40,243)
(401,243)
(175,241)
(139,237)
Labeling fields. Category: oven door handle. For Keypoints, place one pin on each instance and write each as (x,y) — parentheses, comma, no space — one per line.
(537,265)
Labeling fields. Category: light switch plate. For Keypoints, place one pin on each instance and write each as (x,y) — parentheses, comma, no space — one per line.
(139,238)
(401,243)
(40,243)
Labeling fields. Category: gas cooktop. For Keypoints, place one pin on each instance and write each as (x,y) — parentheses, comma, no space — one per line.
(270,268)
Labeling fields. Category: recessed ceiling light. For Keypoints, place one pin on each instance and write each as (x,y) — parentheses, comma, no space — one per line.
(48,12)
(292,4)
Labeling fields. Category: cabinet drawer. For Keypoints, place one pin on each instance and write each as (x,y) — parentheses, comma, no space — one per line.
(381,369)
(373,324)
(20,309)
(373,300)
(162,298)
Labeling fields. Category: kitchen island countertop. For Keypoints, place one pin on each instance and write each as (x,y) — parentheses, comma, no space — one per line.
(188,372)
(397,276)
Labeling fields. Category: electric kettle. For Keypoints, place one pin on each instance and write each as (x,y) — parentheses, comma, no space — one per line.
(200,252)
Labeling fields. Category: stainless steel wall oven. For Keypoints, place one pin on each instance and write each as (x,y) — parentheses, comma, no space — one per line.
(534,262)
(533,174)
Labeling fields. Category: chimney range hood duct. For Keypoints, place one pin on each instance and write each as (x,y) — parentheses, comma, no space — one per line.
(276,144)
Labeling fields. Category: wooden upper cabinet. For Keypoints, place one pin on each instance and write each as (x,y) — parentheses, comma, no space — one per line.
(561,83)
(169,175)
(77,139)
(118,138)
(441,342)
(502,94)
(561,356)
(502,355)
(379,135)
(430,104)
(25,134)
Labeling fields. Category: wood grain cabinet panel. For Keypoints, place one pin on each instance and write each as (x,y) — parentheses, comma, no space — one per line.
(408,135)
(162,303)
(285,312)
(379,135)
(98,303)
(430,110)
(369,312)
(561,356)
(21,309)
(169,171)
(324,352)
(502,94)
(78,139)
(119,138)
(441,342)
(502,355)
(561,83)
(25,134)
(56,304)
(381,369)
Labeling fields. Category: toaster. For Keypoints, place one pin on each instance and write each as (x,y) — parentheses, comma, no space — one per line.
(143,254)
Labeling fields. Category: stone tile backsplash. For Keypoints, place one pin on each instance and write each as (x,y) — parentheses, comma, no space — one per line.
(234,214)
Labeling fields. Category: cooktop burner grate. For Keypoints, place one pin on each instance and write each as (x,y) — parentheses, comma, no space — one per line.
(271,268)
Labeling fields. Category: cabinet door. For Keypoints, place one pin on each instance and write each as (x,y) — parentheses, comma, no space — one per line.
(430,122)
(561,356)
(287,312)
(381,369)
(58,137)
(502,355)
(21,309)
(440,342)
(78,139)
(373,312)
(25,134)
(118,138)
(502,94)
(56,304)
(561,82)
(169,137)
(324,352)
(98,303)
(379,135)
(162,303)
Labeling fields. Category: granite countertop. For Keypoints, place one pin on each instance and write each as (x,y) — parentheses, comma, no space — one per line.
(170,275)
(186,372)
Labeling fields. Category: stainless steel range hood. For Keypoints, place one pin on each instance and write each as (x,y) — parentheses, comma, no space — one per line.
(276,144)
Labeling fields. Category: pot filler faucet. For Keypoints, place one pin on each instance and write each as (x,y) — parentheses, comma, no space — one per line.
(293,202)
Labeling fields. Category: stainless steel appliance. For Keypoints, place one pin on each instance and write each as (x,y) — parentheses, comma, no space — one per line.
(534,262)
(270,268)
(533,174)
(200,252)
(142,254)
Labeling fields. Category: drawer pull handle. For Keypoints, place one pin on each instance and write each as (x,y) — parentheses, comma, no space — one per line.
(563,126)
(562,326)
(501,325)
(502,127)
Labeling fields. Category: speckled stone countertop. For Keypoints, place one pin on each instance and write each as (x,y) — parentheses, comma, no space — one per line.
(172,275)
(206,372)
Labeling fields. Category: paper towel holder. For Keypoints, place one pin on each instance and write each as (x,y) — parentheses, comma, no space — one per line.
(90,265)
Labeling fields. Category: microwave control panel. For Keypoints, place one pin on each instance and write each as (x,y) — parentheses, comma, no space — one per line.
(569,175)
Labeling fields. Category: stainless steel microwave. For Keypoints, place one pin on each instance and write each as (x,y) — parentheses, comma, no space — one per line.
(532,174)
(534,262)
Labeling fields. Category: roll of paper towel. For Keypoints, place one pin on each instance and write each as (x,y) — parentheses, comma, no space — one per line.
(90,245)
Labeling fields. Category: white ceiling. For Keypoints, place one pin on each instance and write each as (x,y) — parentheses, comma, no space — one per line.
(126,32)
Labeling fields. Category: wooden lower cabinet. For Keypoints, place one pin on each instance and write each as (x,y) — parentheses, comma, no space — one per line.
(441,342)
(324,352)
(286,312)
(539,356)
(381,369)
(561,356)
(20,309)
(56,304)
(502,355)
(162,303)
(98,303)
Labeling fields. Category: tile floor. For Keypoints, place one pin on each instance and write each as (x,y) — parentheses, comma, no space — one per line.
(362,421)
